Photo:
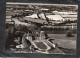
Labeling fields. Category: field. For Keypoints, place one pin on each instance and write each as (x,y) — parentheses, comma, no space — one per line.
(63,41)
(62,36)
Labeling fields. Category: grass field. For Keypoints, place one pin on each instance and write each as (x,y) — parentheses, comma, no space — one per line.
(62,36)
(63,41)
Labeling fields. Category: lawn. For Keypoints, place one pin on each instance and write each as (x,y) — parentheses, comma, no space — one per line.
(63,41)
(62,36)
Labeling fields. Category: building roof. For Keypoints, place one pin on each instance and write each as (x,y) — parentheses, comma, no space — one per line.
(32,16)
(55,17)
(8,20)
(27,10)
(44,9)
(65,13)
(17,22)
(8,17)
(35,20)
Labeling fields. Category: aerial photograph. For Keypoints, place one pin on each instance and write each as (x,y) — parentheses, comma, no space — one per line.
(41,28)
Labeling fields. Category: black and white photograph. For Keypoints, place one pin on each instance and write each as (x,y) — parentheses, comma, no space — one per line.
(41,28)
